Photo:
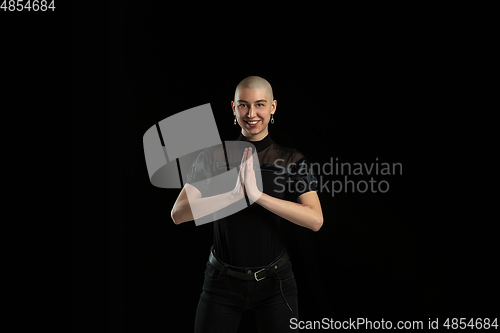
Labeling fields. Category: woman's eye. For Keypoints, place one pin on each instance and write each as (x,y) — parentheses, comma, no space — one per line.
(242,105)
(260,105)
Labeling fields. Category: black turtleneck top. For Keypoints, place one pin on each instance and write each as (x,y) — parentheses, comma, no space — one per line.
(251,237)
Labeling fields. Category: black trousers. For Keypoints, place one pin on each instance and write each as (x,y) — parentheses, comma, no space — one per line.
(225,298)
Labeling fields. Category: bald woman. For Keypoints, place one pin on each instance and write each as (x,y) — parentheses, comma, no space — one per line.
(249,267)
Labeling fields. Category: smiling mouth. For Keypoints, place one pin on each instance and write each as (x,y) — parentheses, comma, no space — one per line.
(252,122)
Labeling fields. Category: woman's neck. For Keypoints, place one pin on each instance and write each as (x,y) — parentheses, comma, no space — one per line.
(255,137)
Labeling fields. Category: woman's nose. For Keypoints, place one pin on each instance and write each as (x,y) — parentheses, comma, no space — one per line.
(251,112)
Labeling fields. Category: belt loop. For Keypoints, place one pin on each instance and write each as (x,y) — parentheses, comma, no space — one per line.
(224,271)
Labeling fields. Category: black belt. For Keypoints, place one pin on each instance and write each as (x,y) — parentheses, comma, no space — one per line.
(257,274)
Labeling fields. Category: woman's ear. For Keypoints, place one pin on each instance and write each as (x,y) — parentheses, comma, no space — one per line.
(273,106)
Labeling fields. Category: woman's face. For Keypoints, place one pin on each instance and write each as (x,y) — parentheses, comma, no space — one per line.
(253,109)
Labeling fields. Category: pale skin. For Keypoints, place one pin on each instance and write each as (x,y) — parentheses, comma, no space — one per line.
(251,105)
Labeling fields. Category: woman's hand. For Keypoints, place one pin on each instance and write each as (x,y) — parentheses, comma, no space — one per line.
(306,213)
(249,180)
(239,192)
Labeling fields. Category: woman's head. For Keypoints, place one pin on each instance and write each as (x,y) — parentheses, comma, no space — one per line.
(253,106)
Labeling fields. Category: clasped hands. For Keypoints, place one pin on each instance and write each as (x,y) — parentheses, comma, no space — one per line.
(246,184)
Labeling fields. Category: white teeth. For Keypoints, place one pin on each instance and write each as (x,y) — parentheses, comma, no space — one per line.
(252,122)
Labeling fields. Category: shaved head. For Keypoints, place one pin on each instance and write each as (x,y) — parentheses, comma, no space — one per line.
(255,82)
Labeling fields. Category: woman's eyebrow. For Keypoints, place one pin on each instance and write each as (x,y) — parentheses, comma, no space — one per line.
(260,100)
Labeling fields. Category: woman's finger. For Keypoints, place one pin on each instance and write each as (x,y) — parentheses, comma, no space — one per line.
(243,158)
(249,159)
(242,165)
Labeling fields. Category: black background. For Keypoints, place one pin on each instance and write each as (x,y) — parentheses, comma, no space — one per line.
(409,254)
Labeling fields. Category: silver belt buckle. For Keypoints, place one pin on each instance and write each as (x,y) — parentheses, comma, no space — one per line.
(255,275)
